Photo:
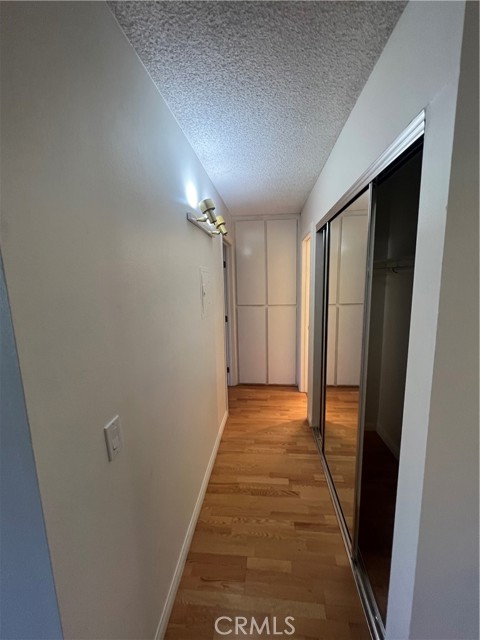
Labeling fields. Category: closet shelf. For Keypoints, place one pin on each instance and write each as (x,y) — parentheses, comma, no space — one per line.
(397,265)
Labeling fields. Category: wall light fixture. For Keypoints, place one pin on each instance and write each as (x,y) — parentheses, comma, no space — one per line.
(207,207)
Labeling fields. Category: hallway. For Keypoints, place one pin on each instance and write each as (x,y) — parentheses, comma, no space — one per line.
(206,208)
(267,542)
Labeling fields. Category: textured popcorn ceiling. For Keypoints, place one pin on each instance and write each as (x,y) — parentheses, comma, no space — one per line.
(261,89)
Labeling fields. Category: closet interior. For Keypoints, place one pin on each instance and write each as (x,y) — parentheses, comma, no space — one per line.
(366,263)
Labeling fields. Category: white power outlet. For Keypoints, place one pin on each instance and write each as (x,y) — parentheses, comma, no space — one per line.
(113,438)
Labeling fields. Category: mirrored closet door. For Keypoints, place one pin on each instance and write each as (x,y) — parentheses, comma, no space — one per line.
(346,296)
(366,254)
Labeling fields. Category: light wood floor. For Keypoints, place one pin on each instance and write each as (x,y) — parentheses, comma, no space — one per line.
(379,485)
(341,431)
(267,542)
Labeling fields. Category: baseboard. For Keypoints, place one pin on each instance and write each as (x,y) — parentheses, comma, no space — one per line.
(389,441)
(172,592)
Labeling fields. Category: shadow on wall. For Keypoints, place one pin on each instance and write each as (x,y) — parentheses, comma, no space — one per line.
(28,603)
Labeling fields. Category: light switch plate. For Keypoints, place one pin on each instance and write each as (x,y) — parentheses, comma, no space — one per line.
(113,438)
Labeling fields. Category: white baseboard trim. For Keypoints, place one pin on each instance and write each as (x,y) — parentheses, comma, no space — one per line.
(389,441)
(172,592)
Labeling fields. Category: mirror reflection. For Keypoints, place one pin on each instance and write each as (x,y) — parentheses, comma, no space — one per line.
(346,291)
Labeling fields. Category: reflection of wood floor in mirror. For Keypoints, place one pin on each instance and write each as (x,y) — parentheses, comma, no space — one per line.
(267,542)
(379,485)
(341,421)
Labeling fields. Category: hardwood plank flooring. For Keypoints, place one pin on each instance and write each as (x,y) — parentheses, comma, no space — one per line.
(267,543)
(341,432)
(379,485)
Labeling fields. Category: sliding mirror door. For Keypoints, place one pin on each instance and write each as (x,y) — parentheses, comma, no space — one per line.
(364,286)
(346,268)
(397,193)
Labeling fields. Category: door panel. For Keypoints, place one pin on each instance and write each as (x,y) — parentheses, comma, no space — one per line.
(252,345)
(281,344)
(344,336)
(282,261)
(333,262)
(332,345)
(250,253)
(353,259)
(349,344)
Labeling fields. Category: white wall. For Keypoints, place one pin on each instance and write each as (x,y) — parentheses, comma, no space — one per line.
(418,69)
(446,598)
(266,271)
(103,276)
(28,603)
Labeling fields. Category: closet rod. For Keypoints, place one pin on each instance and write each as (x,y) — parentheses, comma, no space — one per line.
(393,269)
(396,265)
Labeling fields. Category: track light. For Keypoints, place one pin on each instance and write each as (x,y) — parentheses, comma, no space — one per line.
(207,207)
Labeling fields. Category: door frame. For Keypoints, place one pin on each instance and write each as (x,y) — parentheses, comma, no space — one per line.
(305,312)
(231,358)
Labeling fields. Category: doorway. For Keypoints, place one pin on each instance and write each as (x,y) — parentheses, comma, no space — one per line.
(305,315)
(226,249)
